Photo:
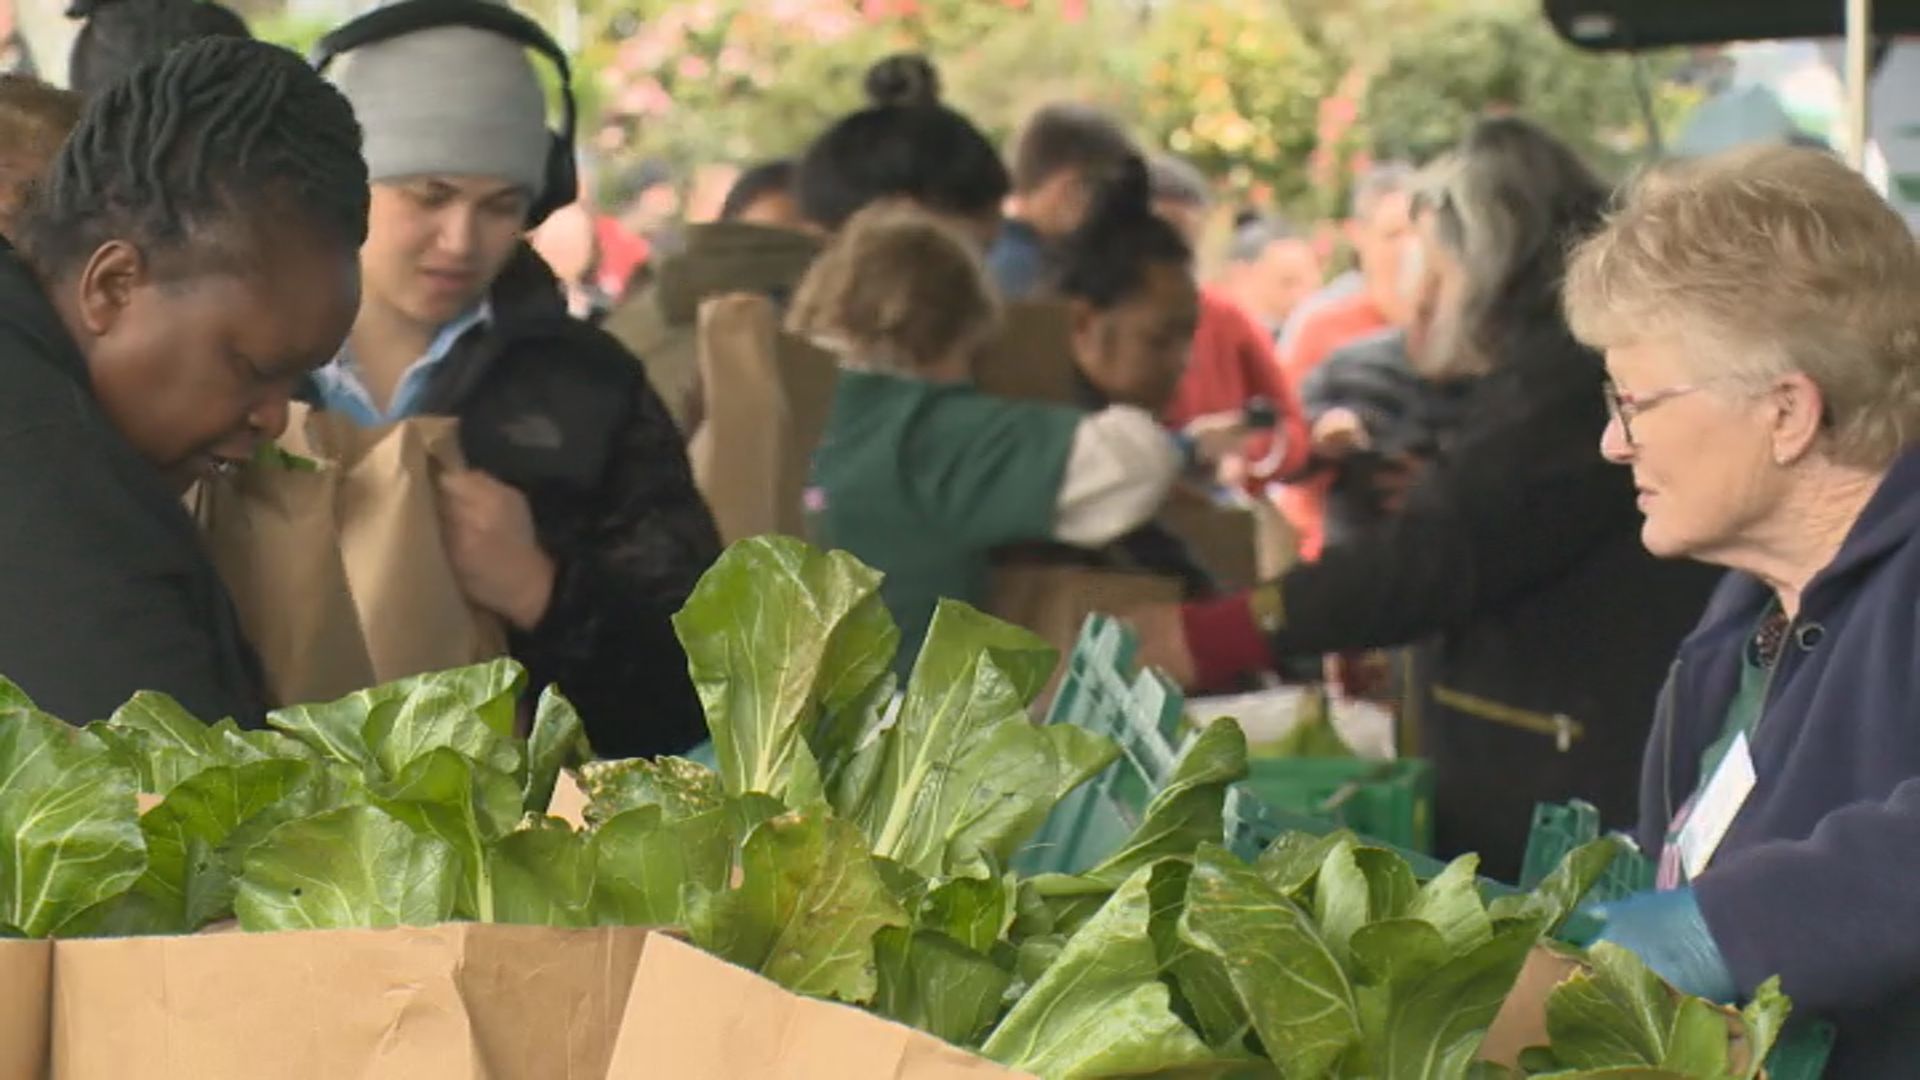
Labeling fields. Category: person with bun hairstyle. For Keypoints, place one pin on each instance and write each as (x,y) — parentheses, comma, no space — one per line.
(921,475)
(904,145)
(119,35)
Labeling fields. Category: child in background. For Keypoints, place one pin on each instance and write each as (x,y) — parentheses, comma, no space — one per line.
(34,121)
(920,474)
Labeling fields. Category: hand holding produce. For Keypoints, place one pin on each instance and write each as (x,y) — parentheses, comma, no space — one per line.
(495,553)
(1669,933)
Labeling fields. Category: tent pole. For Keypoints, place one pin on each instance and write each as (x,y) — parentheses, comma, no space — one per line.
(1859,79)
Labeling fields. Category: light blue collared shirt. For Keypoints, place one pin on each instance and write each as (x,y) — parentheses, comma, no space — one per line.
(343,392)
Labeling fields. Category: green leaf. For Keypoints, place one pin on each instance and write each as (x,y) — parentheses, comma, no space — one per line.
(1100,1009)
(188,871)
(1291,864)
(1342,901)
(680,788)
(227,743)
(963,774)
(1435,1024)
(1452,903)
(69,830)
(1698,1044)
(12,697)
(437,718)
(333,730)
(1287,977)
(1617,1012)
(169,743)
(1560,894)
(340,729)
(490,691)
(931,982)
(557,737)
(1391,885)
(1190,810)
(543,875)
(1396,951)
(976,912)
(466,804)
(353,867)
(805,913)
(1764,1018)
(647,865)
(777,635)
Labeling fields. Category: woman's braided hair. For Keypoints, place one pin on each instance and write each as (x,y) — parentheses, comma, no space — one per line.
(193,154)
(119,35)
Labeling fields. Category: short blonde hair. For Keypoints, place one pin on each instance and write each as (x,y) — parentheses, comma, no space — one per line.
(1765,262)
(897,289)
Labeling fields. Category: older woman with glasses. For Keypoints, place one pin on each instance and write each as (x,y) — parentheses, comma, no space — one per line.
(1760,315)
(1516,562)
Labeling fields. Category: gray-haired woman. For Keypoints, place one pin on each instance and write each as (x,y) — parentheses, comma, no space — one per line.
(1760,314)
(1517,555)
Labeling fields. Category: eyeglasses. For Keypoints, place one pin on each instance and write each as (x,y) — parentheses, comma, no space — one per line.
(1624,406)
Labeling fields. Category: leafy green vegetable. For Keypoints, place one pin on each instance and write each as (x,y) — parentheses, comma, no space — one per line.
(1286,975)
(445,794)
(271,455)
(1313,734)
(781,639)
(190,868)
(1100,1008)
(69,827)
(1618,1018)
(936,984)
(543,875)
(806,910)
(558,736)
(963,777)
(353,867)
(648,866)
(160,739)
(678,786)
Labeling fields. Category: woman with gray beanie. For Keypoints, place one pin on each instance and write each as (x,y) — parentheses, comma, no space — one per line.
(578,522)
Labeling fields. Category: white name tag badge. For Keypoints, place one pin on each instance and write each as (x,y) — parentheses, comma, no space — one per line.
(1716,806)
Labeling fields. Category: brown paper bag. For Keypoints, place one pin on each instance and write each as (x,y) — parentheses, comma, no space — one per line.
(736,454)
(1031,358)
(271,534)
(456,1002)
(693,1017)
(414,616)
(1054,602)
(26,981)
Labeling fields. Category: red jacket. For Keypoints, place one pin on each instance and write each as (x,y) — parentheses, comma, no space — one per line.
(1233,363)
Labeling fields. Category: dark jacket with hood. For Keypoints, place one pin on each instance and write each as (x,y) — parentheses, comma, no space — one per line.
(559,410)
(104,585)
(1817,879)
(1519,554)
(659,325)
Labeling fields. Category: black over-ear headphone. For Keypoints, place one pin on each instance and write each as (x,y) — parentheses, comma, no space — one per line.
(411,16)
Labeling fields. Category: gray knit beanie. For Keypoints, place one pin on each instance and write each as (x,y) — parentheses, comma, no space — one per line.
(450,101)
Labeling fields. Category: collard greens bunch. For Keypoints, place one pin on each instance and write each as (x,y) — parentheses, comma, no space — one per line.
(852,843)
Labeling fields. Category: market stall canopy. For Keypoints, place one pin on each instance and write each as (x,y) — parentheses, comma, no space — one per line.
(1650,24)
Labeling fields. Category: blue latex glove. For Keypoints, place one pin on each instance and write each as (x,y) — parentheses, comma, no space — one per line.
(1669,933)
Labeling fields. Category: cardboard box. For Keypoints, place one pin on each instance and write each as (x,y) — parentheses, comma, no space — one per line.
(26,972)
(463,1001)
(694,1017)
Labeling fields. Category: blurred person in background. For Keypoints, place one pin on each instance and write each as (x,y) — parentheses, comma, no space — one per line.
(1271,269)
(757,245)
(117,36)
(1518,554)
(173,283)
(577,521)
(1231,373)
(34,121)
(921,475)
(1763,374)
(1367,299)
(906,144)
(567,244)
(1063,153)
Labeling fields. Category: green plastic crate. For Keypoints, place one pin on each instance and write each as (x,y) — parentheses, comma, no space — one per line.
(1142,714)
(1805,1046)
(1390,801)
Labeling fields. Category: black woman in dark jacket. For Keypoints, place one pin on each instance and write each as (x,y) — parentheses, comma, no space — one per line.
(577,521)
(1518,556)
